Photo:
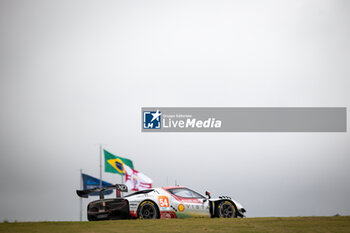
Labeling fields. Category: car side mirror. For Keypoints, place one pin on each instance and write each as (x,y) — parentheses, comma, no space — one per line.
(207,194)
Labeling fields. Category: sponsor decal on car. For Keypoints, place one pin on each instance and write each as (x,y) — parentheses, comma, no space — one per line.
(163,201)
(181,207)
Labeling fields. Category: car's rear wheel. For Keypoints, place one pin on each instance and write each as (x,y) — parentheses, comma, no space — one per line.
(147,210)
(226,209)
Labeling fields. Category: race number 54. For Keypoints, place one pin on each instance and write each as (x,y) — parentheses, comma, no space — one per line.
(163,201)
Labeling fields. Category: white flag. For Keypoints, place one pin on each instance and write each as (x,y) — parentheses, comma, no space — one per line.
(136,181)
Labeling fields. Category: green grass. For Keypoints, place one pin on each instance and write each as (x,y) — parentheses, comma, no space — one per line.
(251,225)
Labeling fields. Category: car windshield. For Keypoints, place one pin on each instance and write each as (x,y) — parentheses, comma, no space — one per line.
(185,193)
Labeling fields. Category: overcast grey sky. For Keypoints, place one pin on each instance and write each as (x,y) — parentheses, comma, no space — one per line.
(75,74)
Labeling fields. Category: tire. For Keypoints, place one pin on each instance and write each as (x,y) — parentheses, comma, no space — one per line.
(226,209)
(147,210)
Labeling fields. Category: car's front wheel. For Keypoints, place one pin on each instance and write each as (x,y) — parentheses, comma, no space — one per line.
(147,210)
(226,209)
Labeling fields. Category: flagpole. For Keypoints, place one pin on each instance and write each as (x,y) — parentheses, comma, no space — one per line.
(81,199)
(121,175)
(100,166)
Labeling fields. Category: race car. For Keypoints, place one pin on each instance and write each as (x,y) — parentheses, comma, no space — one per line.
(165,202)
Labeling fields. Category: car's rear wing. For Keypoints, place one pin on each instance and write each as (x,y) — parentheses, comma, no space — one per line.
(119,188)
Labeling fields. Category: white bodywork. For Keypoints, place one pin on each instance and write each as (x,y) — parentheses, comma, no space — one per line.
(174,206)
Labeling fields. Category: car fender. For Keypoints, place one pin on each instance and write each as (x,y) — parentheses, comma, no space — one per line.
(240,209)
(147,200)
(135,201)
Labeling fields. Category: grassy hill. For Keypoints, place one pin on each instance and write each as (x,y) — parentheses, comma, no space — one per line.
(251,225)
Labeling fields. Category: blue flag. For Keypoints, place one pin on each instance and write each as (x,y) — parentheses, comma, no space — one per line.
(90,182)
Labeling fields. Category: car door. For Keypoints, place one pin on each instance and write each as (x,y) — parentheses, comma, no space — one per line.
(189,203)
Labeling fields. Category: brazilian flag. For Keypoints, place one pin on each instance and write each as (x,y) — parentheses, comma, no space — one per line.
(115,164)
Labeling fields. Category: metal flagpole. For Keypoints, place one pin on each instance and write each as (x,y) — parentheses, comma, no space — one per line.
(100,166)
(81,199)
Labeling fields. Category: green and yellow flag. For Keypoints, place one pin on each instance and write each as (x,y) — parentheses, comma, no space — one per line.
(115,164)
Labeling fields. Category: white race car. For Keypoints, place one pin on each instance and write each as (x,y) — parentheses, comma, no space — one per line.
(166,202)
